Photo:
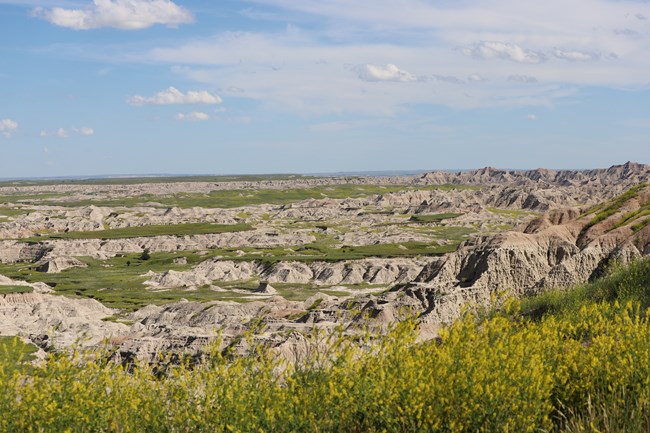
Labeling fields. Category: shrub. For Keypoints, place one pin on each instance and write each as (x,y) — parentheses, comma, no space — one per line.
(145,254)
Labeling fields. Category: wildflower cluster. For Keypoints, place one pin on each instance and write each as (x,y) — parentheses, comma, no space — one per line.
(492,376)
(586,368)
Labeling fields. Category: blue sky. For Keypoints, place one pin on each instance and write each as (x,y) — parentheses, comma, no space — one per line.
(267,86)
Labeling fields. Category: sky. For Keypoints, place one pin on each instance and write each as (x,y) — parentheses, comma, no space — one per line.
(284,86)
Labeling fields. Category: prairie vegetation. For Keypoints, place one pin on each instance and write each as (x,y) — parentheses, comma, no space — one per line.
(583,367)
(607,209)
(227,199)
(4,289)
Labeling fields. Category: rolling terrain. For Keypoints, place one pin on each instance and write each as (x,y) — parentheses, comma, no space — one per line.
(168,266)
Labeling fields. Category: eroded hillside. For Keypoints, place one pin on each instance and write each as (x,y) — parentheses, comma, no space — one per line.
(168,265)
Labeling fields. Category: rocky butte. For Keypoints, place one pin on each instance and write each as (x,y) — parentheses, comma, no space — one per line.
(292,254)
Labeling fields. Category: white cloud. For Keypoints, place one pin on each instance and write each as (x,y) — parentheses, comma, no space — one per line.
(195,116)
(503,50)
(575,56)
(7,127)
(64,133)
(120,14)
(389,72)
(531,117)
(84,130)
(172,95)
(419,38)
(517,78)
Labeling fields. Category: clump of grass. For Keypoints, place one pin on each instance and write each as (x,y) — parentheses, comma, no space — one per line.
(641,225)
(606,210)
(15,289)
(15,354)
(622,283)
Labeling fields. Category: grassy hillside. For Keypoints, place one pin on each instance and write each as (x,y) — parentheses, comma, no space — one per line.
(581,362)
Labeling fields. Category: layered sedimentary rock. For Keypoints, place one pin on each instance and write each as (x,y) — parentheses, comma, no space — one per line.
(574,241)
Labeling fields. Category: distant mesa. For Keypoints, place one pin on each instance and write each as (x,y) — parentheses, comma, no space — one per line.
(491,176)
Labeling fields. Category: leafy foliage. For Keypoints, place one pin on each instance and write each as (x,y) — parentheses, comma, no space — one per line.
(587,370)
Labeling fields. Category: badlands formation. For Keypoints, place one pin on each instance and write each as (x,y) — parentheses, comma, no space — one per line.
(169,264)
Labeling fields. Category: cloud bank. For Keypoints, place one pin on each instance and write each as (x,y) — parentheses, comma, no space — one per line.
(389,72)
(84,131)
(503,50)
(461,54)
(119,14)
(172,95)
(7,127)
(193,116)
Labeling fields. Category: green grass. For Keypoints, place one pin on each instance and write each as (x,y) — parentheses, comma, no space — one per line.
(641,225)
(11,212)
(146,231)
(621,284)
(29,198)
(322,250)
(15,289)
(586,370)
(14,353)
(119,285)
(328,249)
(116,284)
(603,211)
(242,197)
(630,217)
(424,219)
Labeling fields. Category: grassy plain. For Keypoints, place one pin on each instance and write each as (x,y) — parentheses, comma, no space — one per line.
(228,198)
(146,231)
(118,282)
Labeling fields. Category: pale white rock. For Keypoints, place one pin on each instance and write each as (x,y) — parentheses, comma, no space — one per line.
(58,264)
